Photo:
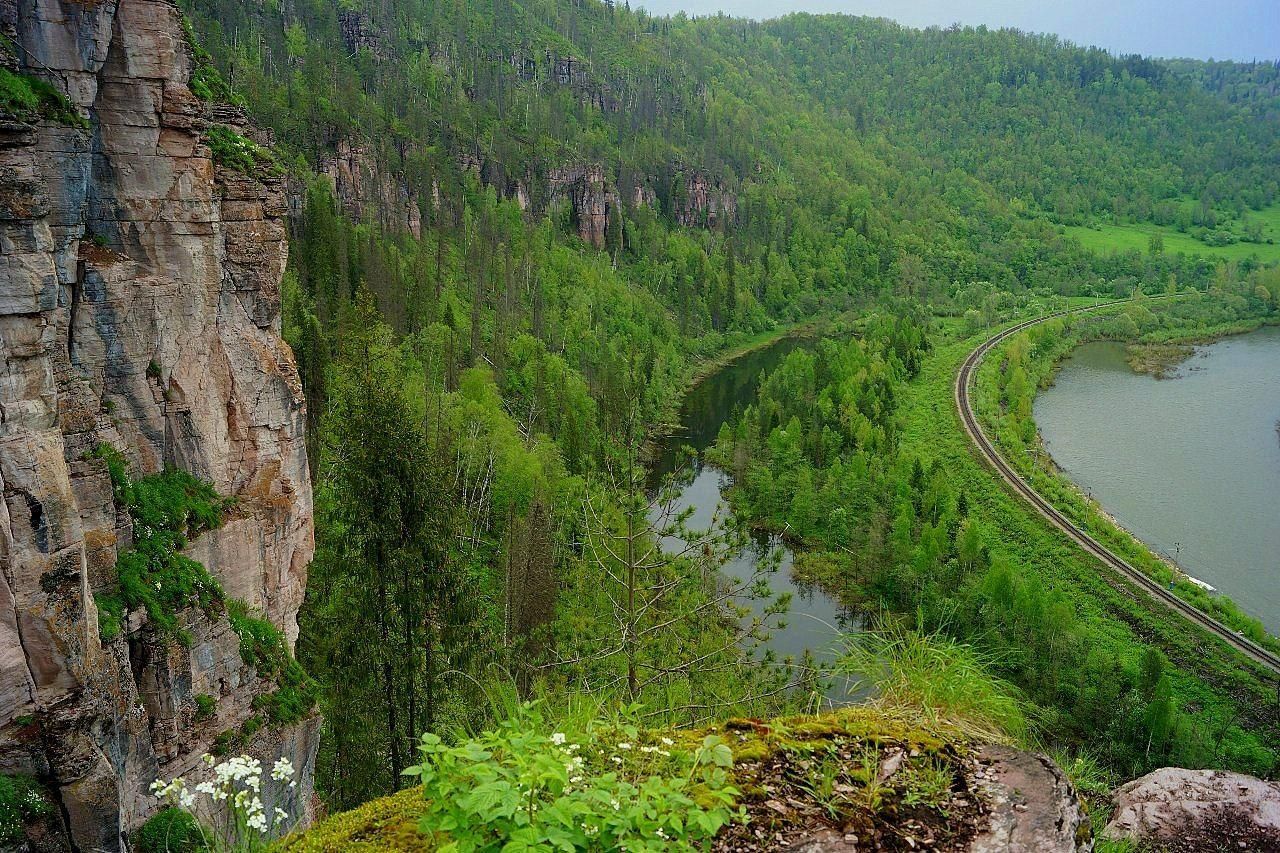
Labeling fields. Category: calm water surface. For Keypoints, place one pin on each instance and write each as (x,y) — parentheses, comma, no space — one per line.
(815,620)
(1193,460)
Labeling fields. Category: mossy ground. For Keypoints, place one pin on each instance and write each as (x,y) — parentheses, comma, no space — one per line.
(883,773)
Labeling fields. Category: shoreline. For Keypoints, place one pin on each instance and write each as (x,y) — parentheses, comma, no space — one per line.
(1120,536)
(705,368)
(1161,359)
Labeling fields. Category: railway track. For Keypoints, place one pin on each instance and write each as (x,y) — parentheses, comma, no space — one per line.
(1136,577)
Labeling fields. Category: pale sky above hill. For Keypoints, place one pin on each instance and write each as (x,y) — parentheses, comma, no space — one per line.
(1201,29)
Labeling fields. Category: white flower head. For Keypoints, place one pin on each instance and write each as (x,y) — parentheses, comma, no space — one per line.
(558,738)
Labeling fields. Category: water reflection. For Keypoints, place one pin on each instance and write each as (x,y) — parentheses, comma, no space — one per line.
(815,621)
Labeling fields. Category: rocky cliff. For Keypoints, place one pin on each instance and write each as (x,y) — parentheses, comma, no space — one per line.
(139,308)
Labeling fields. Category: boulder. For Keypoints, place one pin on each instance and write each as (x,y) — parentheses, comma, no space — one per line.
(1195,810)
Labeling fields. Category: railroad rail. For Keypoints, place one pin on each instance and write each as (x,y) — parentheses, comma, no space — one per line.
(1135,576)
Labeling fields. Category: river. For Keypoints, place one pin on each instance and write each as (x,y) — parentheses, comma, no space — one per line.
(1190,464)
(815,620)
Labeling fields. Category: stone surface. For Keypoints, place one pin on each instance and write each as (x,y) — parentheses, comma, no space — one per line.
(703,202)
(1193,810)
(1031,803)
(366,189)
(591,196)
(139,306)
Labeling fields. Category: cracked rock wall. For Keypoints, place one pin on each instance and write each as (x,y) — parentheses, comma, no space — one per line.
(139,306)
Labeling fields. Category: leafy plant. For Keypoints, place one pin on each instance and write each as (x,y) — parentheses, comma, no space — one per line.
(521,787)
(166,510)
(20,801)
(262,646)
(225,813)
(170,830)
(205,706)
(235,151)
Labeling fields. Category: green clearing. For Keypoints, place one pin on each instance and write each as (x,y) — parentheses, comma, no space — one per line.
(1124,238)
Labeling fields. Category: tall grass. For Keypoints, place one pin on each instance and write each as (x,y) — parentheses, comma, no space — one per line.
(945,682)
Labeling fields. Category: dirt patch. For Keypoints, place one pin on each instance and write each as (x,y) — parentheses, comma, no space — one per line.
(838,791)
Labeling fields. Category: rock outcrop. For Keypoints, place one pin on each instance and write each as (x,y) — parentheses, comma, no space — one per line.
(592,198)
(368,191)
(139,307)
(700,201)
(1186,811)
(1026,803)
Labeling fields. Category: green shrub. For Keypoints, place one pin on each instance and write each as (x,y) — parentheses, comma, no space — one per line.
(170,830)
(207,82)
(29,97)
(523,787)
(206,705)
(21,800)
(262,646)
(234,151)
(166,510)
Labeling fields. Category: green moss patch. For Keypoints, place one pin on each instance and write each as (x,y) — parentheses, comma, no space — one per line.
(865,769)
(235,151)
(170,830)
(168,509)
(28,97)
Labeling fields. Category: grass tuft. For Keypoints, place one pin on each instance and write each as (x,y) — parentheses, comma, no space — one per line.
(947,682)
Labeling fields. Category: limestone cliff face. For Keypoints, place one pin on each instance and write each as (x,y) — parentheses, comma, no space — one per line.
(591,197)
(139,306)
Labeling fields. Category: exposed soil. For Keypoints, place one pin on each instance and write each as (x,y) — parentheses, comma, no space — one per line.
(845,793)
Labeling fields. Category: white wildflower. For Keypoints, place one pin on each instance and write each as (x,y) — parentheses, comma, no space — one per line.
(282,769)
(558,738)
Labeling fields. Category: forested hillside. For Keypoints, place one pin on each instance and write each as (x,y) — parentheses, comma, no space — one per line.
(517,228)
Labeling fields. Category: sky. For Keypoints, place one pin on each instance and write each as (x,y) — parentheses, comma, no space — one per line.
(1200,29)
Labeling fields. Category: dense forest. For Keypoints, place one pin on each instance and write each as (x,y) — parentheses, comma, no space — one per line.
(518,230)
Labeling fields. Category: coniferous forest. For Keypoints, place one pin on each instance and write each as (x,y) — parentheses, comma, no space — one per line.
(520,231)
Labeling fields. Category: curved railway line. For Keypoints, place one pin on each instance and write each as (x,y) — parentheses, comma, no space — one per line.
(963,386)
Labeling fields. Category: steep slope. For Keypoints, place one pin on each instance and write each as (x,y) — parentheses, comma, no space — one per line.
(139,308)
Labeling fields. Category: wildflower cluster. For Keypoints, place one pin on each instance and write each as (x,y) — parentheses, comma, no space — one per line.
(20,802)
(521,788)
(229,805)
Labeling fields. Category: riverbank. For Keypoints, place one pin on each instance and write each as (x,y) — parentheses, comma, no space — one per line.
(1029,456)
(1162,358)
(1115,623)
(995,574)
(703,369)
